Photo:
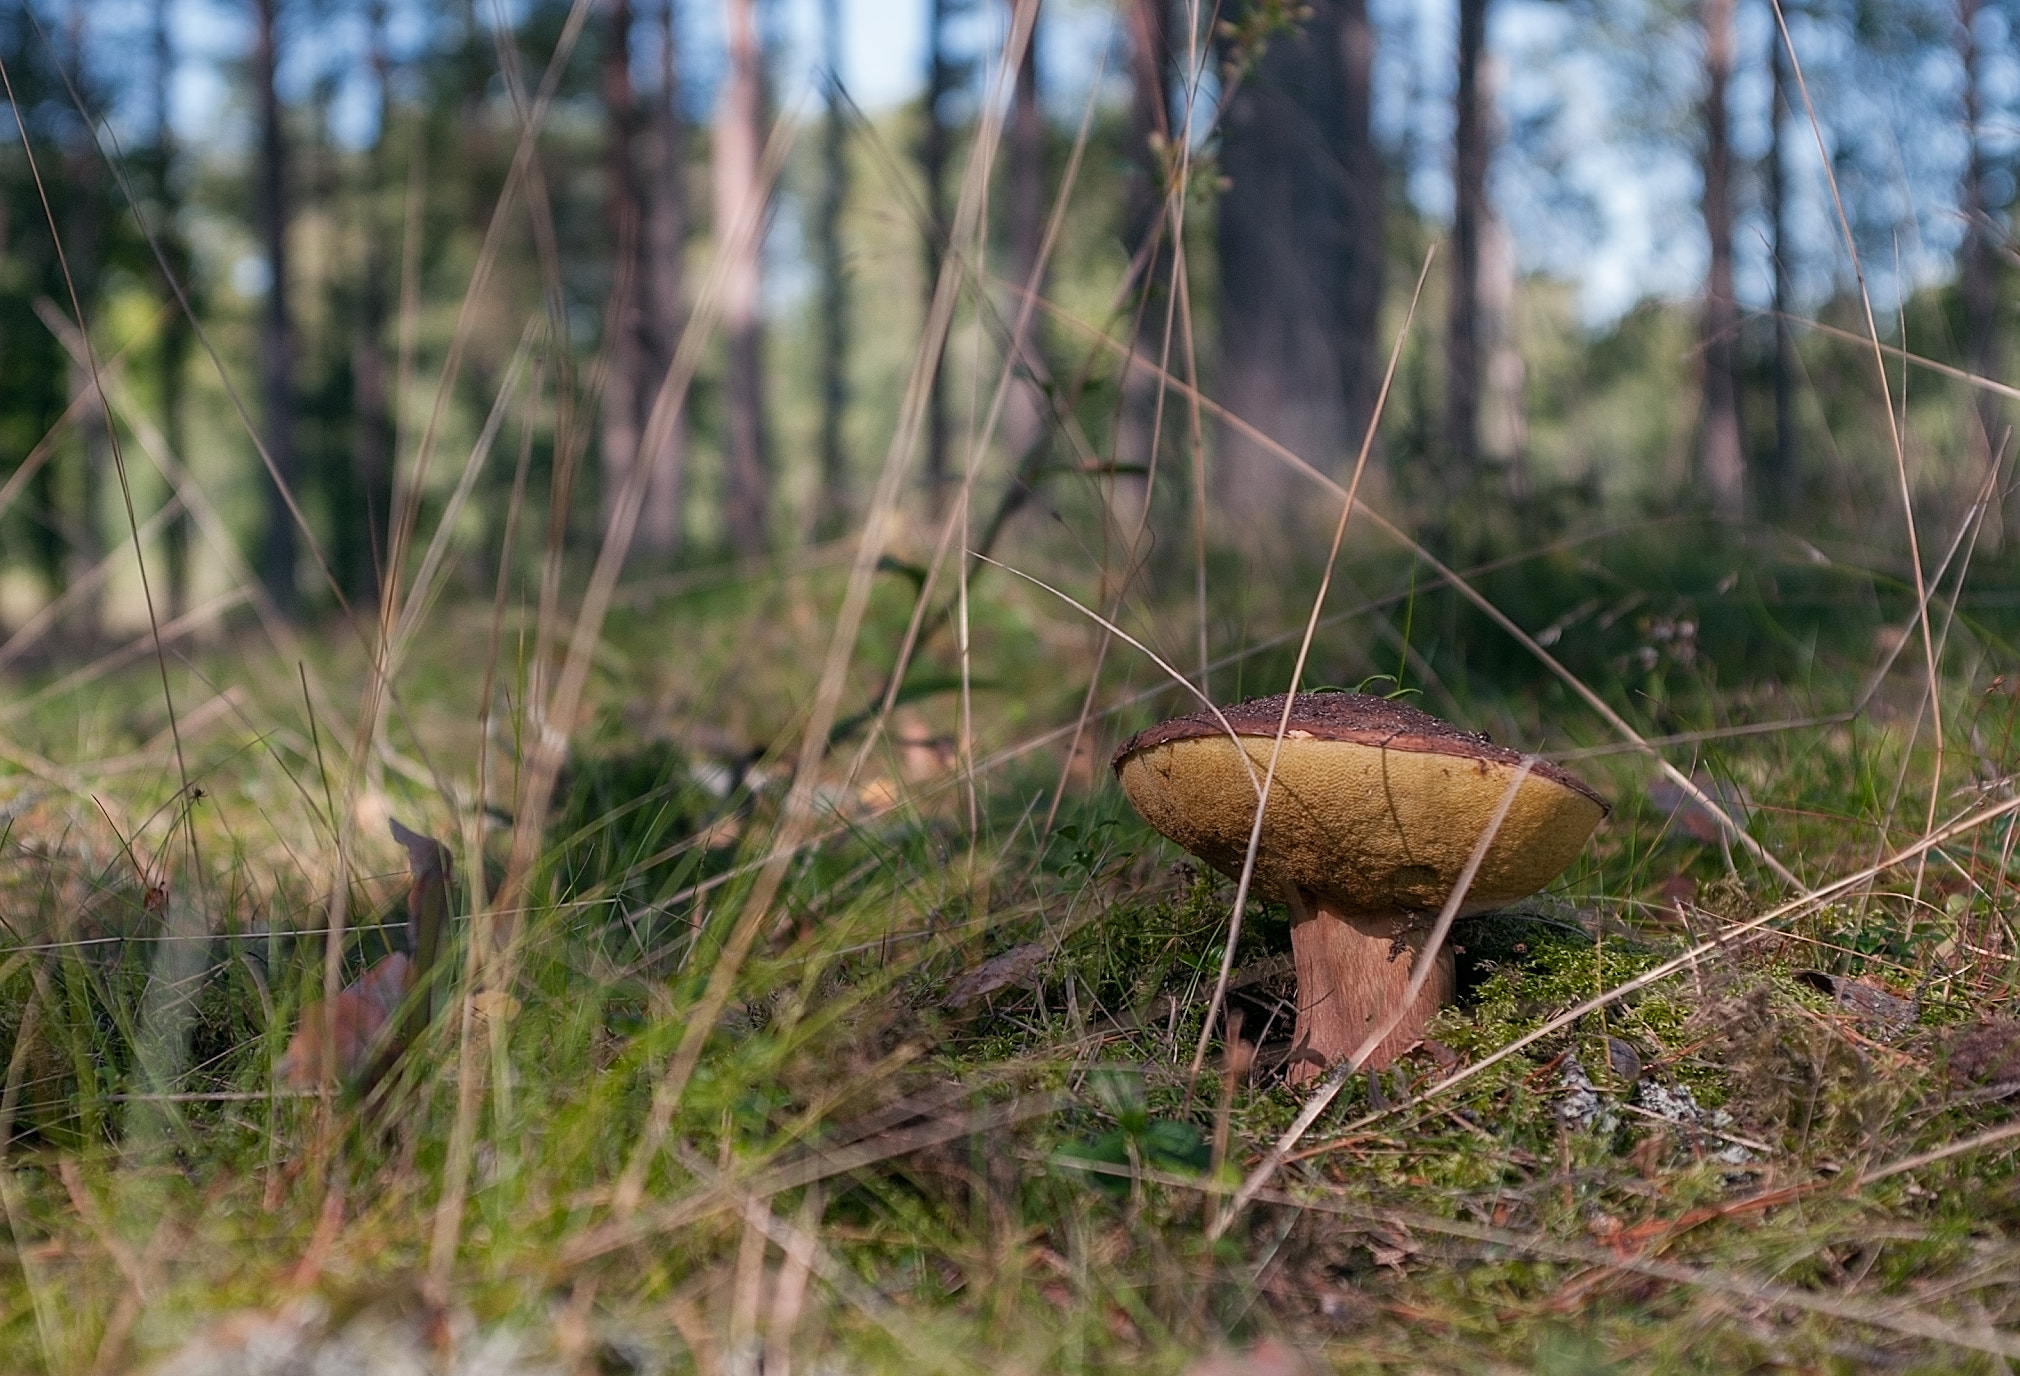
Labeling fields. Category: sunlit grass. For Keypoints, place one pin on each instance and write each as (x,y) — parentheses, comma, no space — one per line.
(942,1111)
(946,1148)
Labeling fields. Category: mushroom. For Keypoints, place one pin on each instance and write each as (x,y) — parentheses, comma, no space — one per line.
(1373,813)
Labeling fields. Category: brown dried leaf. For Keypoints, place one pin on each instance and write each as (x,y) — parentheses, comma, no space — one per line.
(1012,969)
(1987,1052)
(1866,1002)
(356,1024)
(1693,819)
(1266,1358)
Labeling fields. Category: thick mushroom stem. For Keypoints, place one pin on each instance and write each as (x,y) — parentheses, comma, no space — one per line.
(1353,972)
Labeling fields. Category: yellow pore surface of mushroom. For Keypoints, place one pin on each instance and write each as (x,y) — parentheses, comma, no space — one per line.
(1367,828)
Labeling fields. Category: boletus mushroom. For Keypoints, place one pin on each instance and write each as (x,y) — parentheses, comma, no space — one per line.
(1374,811)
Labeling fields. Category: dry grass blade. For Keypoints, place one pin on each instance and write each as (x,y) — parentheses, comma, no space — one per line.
(41,1298)
(1963,1146)
(217,532)
(1893,1318)
(196,619)
(1910,357)
(102,128)
(523,170)
(796,1242)
(1899,1318)
(94,1219)
(59,610)
(537,780)
(424,586)
(1020,354)
(111,436)
(378,684)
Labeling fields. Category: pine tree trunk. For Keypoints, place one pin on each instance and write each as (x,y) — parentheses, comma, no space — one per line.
(1025,409)
(660,525)
(934,137)
(364,545)
(1977,265)
(1504,415)
(1146,234)
(172,348)
(624,384)
(833,514)
(277,343)
(1463,334)
(1721,459)
(1300,250)
(738,139)
(1783,478)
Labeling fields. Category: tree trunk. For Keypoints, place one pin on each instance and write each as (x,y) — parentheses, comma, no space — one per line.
(648,211)
(1300,250)
(832,515)
(83,233)
(660,522)
(1463,334)
(1977,265)
(1721,461)
(363,547)
(1781,479)
(277,554)
(625,387)
(1146,236)
(1025,409)
(172,348)
(738,139)
(934,137)
(1503,433)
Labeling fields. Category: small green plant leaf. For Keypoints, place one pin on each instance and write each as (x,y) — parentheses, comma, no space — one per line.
(1120,1091)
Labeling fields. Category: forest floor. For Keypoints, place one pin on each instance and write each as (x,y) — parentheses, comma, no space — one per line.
(940,1100)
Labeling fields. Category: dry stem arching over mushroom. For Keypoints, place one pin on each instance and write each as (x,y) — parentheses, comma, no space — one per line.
(1375,808)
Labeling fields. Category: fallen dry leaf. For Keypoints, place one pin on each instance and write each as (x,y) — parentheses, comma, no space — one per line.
(353,1033)
(356,1023)
(1866,1002)
(1987,1052)
(1266,1358)
(1693,819)
(1013,968)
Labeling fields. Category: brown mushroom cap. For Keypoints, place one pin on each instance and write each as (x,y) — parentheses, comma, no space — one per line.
(1375,808)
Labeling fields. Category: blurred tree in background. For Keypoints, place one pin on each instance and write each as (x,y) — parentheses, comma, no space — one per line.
(307,241)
